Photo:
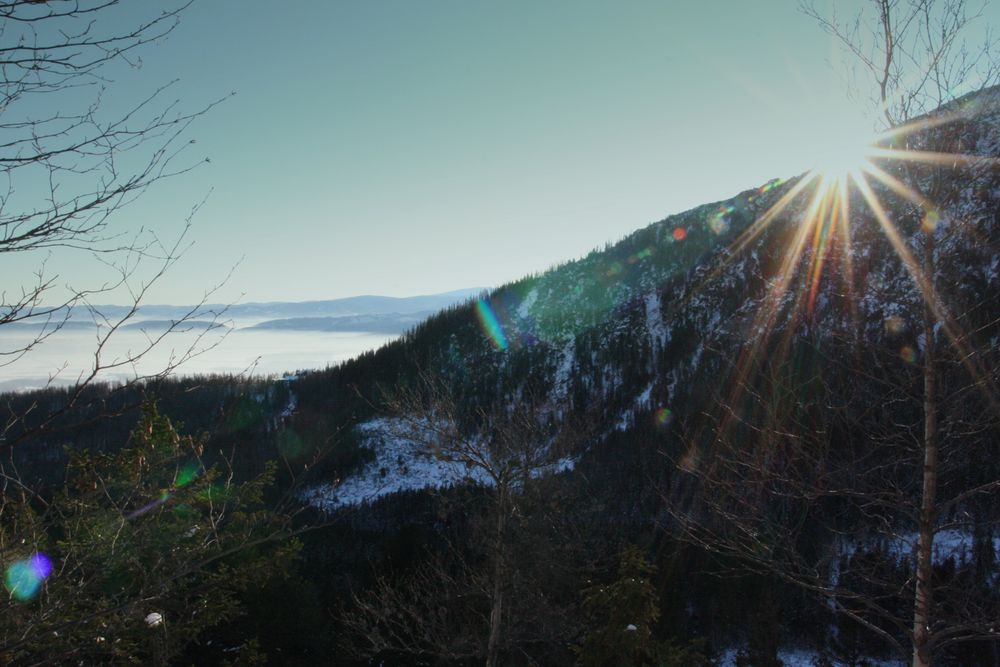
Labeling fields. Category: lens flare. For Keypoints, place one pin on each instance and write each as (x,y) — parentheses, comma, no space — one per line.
(930,221)
(770,185)
(718,222)
(24,578)
(188,473)
(216,492)
(680,233)
(895,325)
(491,325)
(290,444)
(645,253)
(819,248)
(150,506)
(661,417)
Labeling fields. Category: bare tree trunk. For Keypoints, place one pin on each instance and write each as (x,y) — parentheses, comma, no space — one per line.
(496,603)
(923,598)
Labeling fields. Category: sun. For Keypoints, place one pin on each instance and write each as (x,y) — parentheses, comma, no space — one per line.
(852,171)
(842,152)
(844,160)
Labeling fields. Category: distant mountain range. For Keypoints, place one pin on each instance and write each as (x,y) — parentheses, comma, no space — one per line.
(388,323)
(366,313)
(350,306)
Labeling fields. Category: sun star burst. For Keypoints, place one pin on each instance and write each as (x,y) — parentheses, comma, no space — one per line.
(820,245)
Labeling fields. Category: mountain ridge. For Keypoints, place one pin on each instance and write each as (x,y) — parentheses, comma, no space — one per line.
(632,327)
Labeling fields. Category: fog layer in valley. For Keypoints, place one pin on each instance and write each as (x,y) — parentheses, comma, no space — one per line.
(68,355)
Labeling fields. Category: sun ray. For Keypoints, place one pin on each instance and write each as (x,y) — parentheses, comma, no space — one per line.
(896,240)
(930,297)
(757,227)
(930,157)
(822,240)
(774,211)
(847,244)
(823,229)
(767,315)
(915,197)
(919,125)
(900,188)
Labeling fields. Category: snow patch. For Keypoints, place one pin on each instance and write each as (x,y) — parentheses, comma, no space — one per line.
(642,400)
(654,319)
(293,403)
(560,382)
(524,309)
(565,464)
(403,463)
(802,658)
(400,464)
(950,543)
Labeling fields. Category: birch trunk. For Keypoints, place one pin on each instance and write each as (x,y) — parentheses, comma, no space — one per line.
(923,602)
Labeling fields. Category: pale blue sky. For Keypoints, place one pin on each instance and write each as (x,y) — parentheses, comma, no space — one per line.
(400,148)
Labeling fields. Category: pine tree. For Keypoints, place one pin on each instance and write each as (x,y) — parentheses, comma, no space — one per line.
(136,555)
(621,616)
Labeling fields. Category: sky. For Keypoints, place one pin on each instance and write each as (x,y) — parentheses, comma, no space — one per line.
(399,148)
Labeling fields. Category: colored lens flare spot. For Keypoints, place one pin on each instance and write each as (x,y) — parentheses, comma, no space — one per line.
(491,325)
(908,354)
(290,444)
(645,253)
(661,416)
(680,233)
(770,185)
(188,473)
(895,325)
(24,578)
(931,220)
(718,222)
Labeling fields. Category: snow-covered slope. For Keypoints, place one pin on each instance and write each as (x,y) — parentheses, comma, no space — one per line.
(403,462)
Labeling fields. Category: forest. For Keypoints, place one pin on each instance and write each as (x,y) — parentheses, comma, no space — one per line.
(761,432)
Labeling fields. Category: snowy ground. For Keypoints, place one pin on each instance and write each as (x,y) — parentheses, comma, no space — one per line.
(801,658)
(948,543)
(401,464)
